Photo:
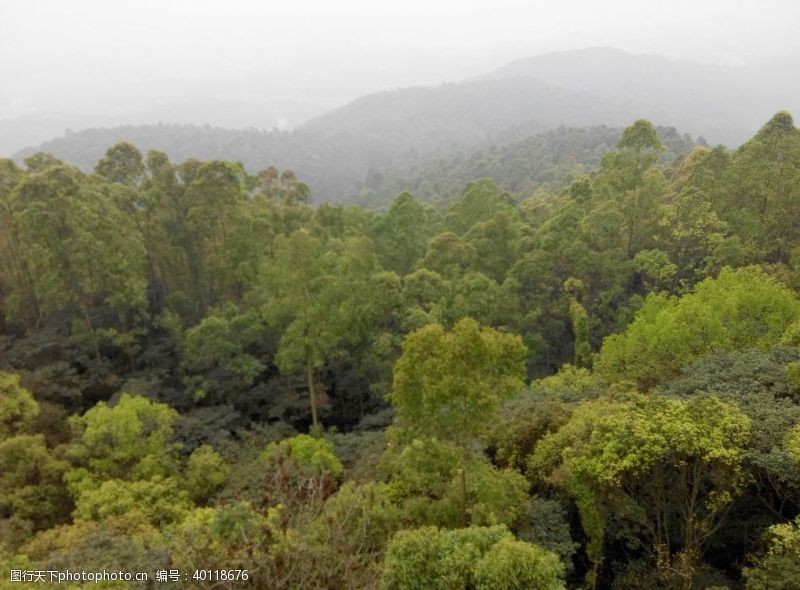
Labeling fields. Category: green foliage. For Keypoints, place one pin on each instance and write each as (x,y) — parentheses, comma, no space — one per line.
(365,515)
(123,163)
(694,449)
(479,557)
(548,527)
(233,536)
(778,567)
(127,543)
(31,481)
(640,137)
(160,500)
(758,383)
(206,474)
(480,202)
(313,453)
(513,565)
(792,443)
(521,423)
(216,298)
(221,341)
(401,235)
(130,440)
(77,243)
(450,384)
(742,308)
(18,409)
(766,181)
(435,483)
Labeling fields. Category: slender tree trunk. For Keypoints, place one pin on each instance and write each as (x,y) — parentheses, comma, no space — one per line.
(88,321)
(312,395)
(463,496)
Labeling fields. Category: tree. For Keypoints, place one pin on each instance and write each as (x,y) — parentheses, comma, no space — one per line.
(401,235)
(694,233)
(757,382)
(221,352)
(766,186)
(129,440)
(449,385)
(31,482)
(214,201)
(495,242)
(476,557)
(82,250)
(448,255)
(628,178)
(480,201)
(743,308)
(427,478)
(778,566)
(14,261)
(123,163)
(316,294)
(18,408)
(127,543)
(662,473)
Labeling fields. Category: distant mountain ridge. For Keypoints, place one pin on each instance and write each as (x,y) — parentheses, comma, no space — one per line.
(726,104)
(337,151)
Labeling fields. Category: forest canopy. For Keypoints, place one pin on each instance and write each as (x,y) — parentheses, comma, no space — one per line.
(592,381)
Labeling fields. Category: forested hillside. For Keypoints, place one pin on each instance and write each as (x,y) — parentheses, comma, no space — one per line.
(546,160)
(352,168)
(396,140)
(586,378)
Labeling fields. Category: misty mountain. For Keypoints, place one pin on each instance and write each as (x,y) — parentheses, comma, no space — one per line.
(545,160)
(597,86)
(331,165)
(344,151)
(425,120)
(726,104)
(31,129)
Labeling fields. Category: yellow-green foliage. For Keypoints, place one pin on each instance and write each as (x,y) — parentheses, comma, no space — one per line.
(450,384)
(365,514)
(314,453)
(18,409)
(125,461)
(514,565)
(128,543)
(231,536)
(777,568)
(742,308)
(429,558)
(160,499)
(129,440)
(618,466)
(792,443)
(31,485)
(425,479)
(206,473)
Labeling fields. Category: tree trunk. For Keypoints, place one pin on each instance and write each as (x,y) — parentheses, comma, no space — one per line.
(312,395)
(463,496)
(88,322)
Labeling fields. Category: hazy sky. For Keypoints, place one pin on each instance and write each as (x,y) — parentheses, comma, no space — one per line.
(120,55)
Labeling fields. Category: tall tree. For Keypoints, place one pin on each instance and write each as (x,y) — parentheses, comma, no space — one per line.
(449,385)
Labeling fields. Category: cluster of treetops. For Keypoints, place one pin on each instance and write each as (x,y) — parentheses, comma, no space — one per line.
(371,170)
(591,387)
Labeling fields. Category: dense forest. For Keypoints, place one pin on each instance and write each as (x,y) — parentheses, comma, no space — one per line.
(593,382)
(352,168)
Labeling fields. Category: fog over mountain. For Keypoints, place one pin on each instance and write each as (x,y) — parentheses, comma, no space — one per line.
(379,133)
(88,63)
